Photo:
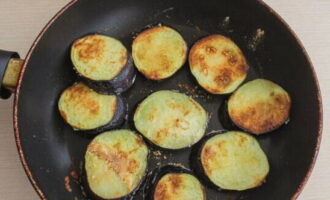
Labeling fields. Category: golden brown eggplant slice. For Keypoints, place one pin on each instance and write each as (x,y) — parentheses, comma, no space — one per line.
(115,164)
(259,106)
(159,52)
(234,161)
(86,110)
(171,120)
(218,64)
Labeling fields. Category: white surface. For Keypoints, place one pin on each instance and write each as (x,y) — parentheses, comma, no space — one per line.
(22,20)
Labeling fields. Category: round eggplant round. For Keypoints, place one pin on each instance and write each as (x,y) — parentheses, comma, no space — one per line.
(218,64)
(159,52)
(115,164)
(171,120)
(234,161)
(259,106)
(88,111)
(179,186)
(104,63)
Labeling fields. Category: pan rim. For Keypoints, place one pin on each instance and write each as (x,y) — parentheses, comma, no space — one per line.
(16,100)
(70,4)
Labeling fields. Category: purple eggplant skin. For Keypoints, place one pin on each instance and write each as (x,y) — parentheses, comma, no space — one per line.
(196,163)
(122,82)
(117,120)
(224,118)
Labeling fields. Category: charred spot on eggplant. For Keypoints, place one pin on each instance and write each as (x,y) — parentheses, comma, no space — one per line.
(91,112)
(234,161)
(175,186)
(104,63)
(259,106)
(171,120)
(218,64)
(159,52)
(115,164)
(174,182)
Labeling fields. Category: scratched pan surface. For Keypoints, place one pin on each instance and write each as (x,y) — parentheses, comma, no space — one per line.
(53,152)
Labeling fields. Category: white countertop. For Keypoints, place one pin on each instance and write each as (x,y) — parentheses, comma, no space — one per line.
(22,20)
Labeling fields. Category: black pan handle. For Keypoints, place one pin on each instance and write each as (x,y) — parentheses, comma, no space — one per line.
(10,67)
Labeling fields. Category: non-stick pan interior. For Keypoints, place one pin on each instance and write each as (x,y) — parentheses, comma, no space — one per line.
(54,152)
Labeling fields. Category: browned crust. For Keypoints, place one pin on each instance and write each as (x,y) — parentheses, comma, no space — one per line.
(63,114)
(161,134)
(139,141)
(79,97)
(154,75)
(263,117)
(89,47)
(207,154)
(168,190)
(114,106)
(223,74)
(161,192)
(117,160)
(145,37)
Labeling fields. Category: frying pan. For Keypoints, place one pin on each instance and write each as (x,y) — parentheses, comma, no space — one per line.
(52,153)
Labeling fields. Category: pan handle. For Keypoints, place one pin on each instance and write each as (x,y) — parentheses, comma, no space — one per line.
(10,67)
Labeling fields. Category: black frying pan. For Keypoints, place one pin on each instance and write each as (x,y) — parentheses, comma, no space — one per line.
(52,153)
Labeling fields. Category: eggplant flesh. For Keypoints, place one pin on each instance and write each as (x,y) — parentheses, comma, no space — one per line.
(259,106)
(171,120)
(233,161)
(117,120)
(159,52)
(115,165)
(90,112)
